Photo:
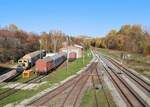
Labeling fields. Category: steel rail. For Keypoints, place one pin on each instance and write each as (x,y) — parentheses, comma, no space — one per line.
(127,91)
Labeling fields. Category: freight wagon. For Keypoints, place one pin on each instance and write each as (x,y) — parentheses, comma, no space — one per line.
(43,66)
(29,60)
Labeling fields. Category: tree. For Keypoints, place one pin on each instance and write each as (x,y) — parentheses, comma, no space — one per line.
(44,40)
(125,29)
(15,43)
(12,28)
(129,38)
(147,50)
(111,39)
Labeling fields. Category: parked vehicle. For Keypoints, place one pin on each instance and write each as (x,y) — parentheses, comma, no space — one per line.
(72,56)
(29,60)
(8,75)
(43,66)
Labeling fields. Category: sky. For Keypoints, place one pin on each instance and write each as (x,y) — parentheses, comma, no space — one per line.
(74,17)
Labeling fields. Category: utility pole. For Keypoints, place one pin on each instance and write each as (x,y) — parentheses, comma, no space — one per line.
(55,43)
(83,54)
(40,49)
(67,53)
(46,47)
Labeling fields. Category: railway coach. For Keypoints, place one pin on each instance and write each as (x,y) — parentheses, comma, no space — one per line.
(29,60)
(11,74)
(43,66)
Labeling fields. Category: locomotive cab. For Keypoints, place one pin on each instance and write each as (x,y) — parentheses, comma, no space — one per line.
(24,63)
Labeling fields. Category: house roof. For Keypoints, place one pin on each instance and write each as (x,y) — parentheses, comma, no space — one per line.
(79,46)
(72,47)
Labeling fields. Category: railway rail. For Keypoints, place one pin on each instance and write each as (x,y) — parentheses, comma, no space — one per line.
(94,88)
(131,98)
(138,80)
(75,86)
(13,90)
(78,89)
(102,85)
(101,82)
(8,92)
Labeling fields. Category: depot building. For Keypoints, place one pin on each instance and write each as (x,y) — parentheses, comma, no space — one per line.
(73,48)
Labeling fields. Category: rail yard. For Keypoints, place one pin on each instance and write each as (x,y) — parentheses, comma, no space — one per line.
(74,53)
(17,88)
(126,88)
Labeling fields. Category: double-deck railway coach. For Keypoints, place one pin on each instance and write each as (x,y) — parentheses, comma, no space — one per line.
(43,66)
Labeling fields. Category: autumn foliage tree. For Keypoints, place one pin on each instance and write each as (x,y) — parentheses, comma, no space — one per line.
(129,38)
(53,40)
(14,43)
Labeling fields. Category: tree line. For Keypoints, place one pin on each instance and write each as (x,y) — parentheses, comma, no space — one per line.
(130,38)
(15,43)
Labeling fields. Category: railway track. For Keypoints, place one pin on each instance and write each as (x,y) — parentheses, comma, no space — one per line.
(77,89)
(75,86)
(93,79)
(131,98)
(8,92)
(100,80)
(13,90)
(138,80)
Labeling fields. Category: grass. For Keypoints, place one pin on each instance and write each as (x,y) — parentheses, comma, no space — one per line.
(17,96)
(54,77)
(21,79)
(103,96)
(72,69)
(88,99)
(137,62)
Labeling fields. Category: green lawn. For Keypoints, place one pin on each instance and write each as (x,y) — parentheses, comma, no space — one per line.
(137,62)
(54,77)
